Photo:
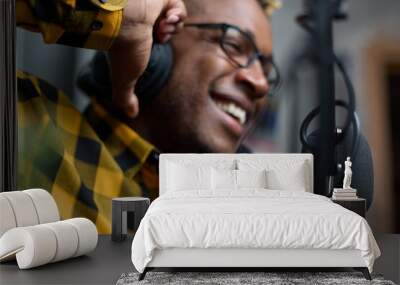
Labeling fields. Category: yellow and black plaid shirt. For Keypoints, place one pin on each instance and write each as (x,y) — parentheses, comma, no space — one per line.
(79,23)
(83,160)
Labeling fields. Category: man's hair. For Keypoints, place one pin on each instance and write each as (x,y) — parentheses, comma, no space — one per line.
(269,6)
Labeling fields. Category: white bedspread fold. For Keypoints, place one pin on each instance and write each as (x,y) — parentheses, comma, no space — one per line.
(250,218)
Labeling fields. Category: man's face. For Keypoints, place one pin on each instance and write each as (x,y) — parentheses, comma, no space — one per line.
(202,107)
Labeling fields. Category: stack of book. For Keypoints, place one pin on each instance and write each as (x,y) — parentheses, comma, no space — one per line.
(344,194)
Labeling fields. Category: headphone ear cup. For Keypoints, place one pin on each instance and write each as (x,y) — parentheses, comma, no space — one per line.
(156,74)
(362,164)
(95,77)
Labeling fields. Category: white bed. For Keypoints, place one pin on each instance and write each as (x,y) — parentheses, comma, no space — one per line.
(199,226)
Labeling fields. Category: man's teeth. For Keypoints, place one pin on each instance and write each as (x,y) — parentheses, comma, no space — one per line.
(233,110)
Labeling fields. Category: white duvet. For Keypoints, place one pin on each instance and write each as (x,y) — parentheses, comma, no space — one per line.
(252,218)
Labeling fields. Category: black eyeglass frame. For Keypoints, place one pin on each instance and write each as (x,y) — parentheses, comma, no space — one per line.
(274,84)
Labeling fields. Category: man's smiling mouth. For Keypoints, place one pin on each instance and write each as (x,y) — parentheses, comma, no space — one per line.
(233,110)
(236,106)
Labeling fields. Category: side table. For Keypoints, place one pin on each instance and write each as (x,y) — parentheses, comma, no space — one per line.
(357,205)
(120,207)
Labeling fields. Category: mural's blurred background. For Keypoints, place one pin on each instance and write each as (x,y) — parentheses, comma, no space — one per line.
(368,44)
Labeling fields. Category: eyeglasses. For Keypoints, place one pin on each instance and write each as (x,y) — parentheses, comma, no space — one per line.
(241,50)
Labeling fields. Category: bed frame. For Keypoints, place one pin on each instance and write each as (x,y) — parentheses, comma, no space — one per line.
(248,259)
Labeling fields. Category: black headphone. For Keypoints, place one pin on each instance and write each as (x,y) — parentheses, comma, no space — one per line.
(95,77)
(309,146)
(156,74)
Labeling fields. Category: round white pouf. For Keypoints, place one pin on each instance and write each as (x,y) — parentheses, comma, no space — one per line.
(40,244)
(67,240)
(33,246)
(6,216)
(45,205)
(87,234)
(23,208)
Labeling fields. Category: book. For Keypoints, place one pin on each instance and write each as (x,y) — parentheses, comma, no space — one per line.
(345,194)
(341,190)
(345,199)
(334,197)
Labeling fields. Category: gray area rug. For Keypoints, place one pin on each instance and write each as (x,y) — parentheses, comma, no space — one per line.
(231,278)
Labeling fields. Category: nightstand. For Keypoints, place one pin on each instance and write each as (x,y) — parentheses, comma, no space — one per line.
(120,208)
(357,205)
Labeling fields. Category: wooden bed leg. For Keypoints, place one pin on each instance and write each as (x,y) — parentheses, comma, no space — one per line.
(364,271)
(143,274)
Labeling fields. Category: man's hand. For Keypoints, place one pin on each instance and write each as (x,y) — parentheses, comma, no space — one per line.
(130,52)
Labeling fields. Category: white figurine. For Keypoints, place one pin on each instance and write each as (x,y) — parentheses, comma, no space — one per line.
(347,174)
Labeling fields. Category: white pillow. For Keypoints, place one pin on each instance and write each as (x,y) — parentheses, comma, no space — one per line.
(223,179)
(290,179)
(282,174)
(181,178)
(251,178)
(200,161)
